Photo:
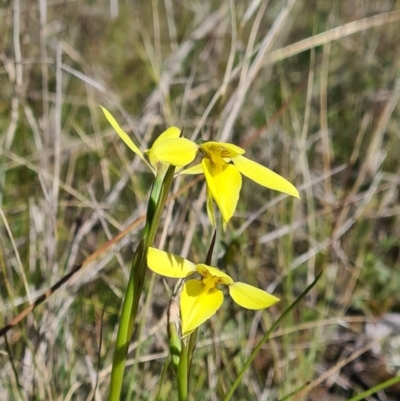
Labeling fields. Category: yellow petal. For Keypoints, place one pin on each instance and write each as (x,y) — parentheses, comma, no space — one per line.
(210,209)
(225,150)
(175,151)
(224,183)
(264,176)
(168,264)
(250,297)
(170,133)
(122,134)
(205,270)
(197,169)
(197,306)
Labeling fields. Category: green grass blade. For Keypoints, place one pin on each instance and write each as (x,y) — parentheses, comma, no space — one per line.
(267,334)
(375,389)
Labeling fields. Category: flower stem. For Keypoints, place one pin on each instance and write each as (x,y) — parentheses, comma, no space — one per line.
(134,288)
(183,373)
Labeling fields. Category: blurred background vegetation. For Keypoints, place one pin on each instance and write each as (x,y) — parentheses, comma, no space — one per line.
(316,104)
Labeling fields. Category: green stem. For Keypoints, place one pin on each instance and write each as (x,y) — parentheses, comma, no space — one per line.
(183,373)
(375,389)
(158,197)
(192,342)
(174,338)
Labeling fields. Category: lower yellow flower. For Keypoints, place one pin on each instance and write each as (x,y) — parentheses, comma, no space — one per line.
(200,299)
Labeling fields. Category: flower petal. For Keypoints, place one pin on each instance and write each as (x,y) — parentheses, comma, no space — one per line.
(224,183)
(205,270)
(169,133)
(197,169)
(175,151)
(264,176)
(250,297)
(227,150)
(210,209)
(168,264)
(197,306)
(122,134)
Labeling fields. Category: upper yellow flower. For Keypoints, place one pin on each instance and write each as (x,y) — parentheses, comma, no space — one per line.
(200,299)
(167,148)
(224,180)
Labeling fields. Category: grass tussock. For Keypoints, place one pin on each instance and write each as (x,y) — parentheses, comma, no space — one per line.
(310,89)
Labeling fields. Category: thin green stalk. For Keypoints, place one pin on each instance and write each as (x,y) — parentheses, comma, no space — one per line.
(183,376)
(266,336)
(134,288)
(192,342)
(174,338)
(375,389)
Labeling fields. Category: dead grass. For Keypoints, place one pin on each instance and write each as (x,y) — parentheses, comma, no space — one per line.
(310,88)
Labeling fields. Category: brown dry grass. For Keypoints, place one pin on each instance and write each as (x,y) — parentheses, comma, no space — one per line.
(310,88)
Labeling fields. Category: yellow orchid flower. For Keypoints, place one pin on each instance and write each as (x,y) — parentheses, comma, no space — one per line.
(224,179)
(200,299)
(168,148)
